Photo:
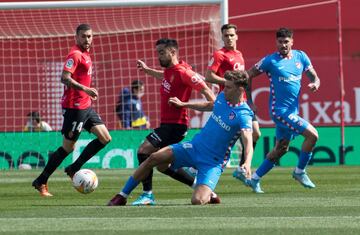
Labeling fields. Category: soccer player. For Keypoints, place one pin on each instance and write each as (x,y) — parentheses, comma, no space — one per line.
(177,80)
(210,149)
(284,69)
(77,111)
(229,58)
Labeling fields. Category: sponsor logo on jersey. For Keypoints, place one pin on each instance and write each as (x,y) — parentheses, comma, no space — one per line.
(291,78)
(220,122)
(69,63)
(238,66)
(166,85)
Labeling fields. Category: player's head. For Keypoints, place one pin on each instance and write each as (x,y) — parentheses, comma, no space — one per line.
(137,88)
(229,36)
(235,83)
(284,41)
(167,50)
(84,36)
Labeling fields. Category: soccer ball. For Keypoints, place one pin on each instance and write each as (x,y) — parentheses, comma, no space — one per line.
(85,181)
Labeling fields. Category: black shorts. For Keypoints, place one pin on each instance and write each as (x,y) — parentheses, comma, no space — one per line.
(167,134)
(77,119)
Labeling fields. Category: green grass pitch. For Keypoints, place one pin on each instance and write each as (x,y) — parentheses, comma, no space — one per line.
(285,208)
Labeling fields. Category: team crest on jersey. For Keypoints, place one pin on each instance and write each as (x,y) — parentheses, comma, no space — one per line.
(298,65)
(232,115)
(69,63)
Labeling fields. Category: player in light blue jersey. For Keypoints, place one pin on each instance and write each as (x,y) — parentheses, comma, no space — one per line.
(284,69)
(209,150)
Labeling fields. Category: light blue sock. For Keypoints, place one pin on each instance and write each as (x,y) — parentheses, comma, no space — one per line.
(265,167)
(304,159)
(131,183)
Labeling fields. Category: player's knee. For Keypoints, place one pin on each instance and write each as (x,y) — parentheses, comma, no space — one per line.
(314,137)
(199,200)
(69,148)
(162,167)
(105,140)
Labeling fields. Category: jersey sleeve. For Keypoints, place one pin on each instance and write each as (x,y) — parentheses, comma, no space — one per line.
(215,62)
(72,61)
(194,80)
(263,64)
(306,61)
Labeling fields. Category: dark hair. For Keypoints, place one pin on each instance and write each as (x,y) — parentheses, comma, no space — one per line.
(34,116)
(284,33)
(240,78)
(229,26)
(136,84)
(168,42)
(82,27)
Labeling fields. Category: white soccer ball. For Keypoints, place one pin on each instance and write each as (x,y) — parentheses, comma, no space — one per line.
(85,181)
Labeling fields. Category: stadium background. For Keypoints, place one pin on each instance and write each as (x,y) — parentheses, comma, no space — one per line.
(315,33)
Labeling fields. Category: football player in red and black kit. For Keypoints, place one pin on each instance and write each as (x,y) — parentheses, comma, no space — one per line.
(229,58)
(77,111)
(178,80)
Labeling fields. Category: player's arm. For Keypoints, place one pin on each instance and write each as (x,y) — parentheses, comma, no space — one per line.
(68,81)
(158,74)
(246,136)
(211,77)
(253,72)
(314,79)
(200,106)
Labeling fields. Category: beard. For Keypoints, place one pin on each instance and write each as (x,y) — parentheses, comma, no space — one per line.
(164,64)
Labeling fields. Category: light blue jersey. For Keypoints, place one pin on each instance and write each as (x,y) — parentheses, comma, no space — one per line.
(209,150)
(285,74)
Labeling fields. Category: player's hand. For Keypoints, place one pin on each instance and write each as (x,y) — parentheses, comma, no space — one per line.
(92,92)
(175,101)
(314,86)
(247,169)
(141,65)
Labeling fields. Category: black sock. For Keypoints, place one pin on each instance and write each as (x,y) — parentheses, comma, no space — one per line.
(90,150)
(180,175)
(147,182)
(55,160)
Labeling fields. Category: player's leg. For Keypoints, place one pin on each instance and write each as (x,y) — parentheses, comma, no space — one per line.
(56,158)
(299,174)
(283,137)
(163,156)
(163,136)
(207,179)
(95,125)
(54,161)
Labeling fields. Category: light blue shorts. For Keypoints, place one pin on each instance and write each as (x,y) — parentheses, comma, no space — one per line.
(289,125)
(188,155)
